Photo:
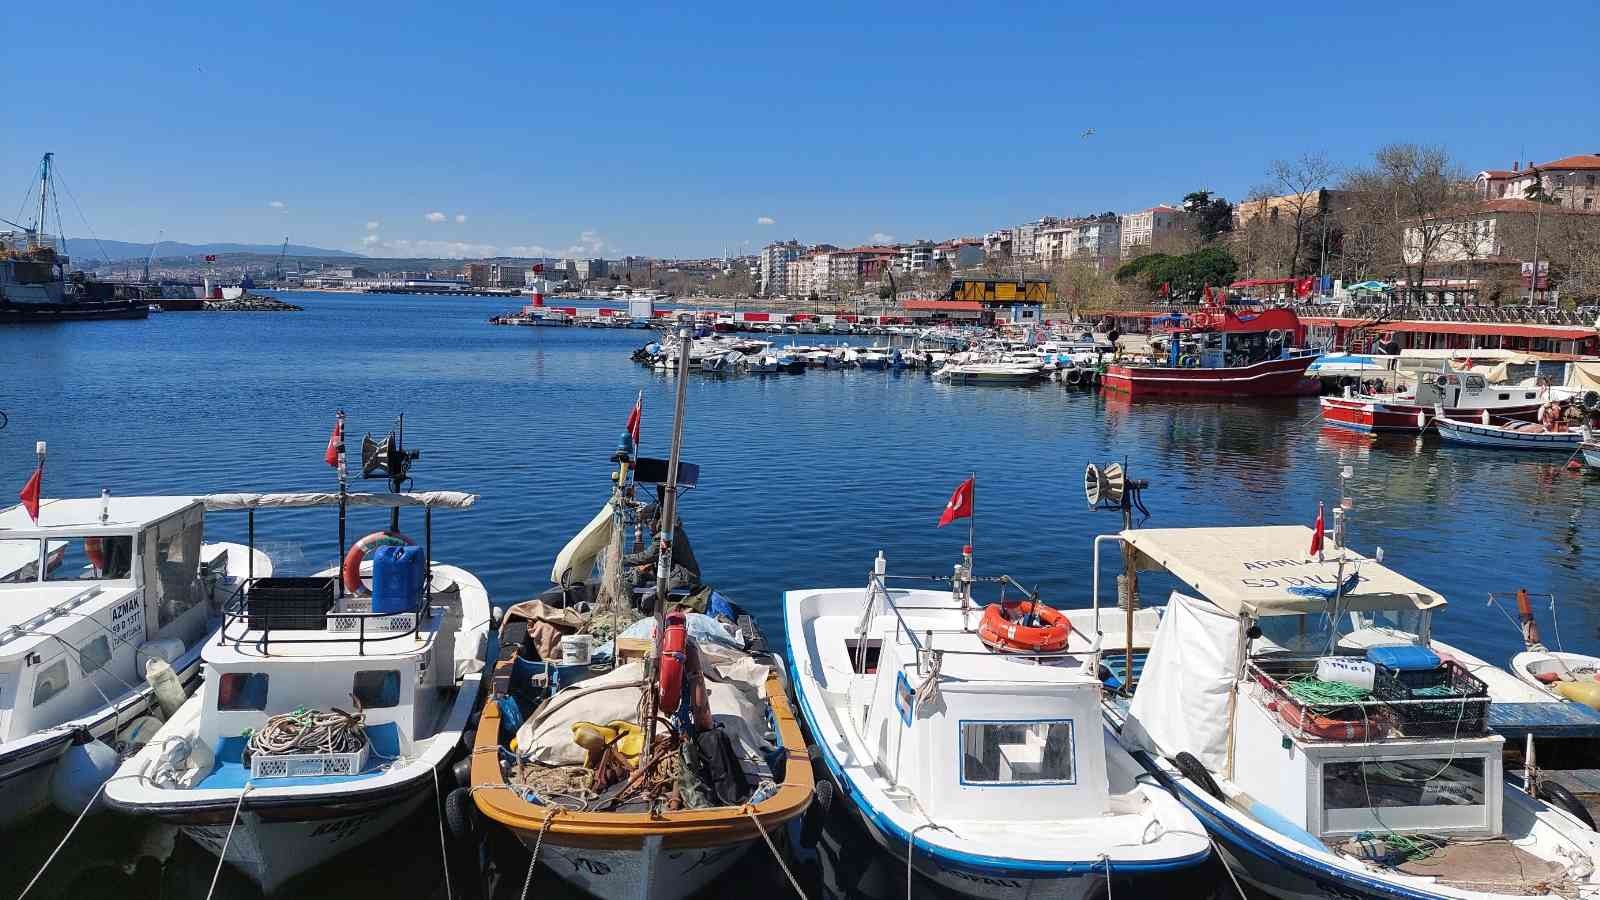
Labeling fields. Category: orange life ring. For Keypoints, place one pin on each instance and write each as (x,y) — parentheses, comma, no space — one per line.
(1002,628)
(95,549)
(1326,727)
(358,551)
(669,692)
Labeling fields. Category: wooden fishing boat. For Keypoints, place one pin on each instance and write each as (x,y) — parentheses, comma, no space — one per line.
(1506,434)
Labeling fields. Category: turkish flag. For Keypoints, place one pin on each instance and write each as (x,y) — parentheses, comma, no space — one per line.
(960,505)
(633,419)
(30,494)
(1302,287)
(1166,289)
(335,443)
(1207,295)
(1316,534)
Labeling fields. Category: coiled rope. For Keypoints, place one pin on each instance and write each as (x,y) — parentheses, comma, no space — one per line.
(310,731)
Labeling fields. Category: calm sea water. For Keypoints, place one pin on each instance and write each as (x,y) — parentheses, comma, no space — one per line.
(804,478)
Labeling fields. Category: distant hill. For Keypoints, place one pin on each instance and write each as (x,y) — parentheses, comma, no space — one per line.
(88,250)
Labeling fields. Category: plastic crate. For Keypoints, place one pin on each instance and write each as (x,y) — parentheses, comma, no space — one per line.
(307,765)
(1463,700)
(297,604)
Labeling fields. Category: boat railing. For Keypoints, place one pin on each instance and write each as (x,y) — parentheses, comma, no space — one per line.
(369,627)
(1392,710)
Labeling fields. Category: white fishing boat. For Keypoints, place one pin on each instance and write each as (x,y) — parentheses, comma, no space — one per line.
(989,771)
(90,595)
(873,357)
(1327,761)
(1508,434)
(333,705)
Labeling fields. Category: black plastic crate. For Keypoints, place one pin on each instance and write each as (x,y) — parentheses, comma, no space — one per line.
(295,604)
(1450,684)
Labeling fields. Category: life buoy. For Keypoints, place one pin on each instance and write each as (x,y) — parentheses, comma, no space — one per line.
(1275,335)
(670,682)
(1325,727)
(95,549)
(1002,628)
(358,551)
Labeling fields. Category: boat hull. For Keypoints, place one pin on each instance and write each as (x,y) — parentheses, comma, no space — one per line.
(1374,415)
(1475,435)
(1272,378)
(1591,455)
(22,313)
(648,871)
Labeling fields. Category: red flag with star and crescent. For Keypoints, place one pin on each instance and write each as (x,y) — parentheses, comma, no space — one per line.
(960,505)
(335,443)
(1316,534)
(634,415)
(29,495)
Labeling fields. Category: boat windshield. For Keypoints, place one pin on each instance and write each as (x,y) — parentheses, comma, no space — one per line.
(90,558)
(19,560)
(1313,632)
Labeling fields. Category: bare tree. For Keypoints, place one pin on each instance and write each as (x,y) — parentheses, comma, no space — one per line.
(1301,184)
(1414,196)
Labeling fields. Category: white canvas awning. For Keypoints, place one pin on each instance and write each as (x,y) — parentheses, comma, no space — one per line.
(436,499)
(1266,571)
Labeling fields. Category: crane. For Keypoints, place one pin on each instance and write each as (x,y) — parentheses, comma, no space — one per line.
(277,270)
(152,255)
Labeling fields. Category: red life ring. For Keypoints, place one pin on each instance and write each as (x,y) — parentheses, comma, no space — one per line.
(670,682)
(95,549)
(1001,628)
(358,551)
(1326,727)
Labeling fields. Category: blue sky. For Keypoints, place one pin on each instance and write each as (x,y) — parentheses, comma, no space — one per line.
(576,129)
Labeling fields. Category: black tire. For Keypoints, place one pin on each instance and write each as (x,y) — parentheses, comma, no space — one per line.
(460,818)
(461,771)
(814,818)
(1556,795)
(1195,771)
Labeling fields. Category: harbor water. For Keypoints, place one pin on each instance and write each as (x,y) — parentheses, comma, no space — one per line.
(804,478)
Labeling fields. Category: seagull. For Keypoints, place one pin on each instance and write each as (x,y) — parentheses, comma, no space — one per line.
(1088,132)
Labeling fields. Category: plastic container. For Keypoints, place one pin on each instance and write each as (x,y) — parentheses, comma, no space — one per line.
(169,693)
(1358,672)
(1450,684)
(576,649)
(290,603)
(397,574)
(1404,657)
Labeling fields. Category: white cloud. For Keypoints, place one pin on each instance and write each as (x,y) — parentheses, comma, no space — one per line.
(276,204)
(879,237)
(435,217)
(589,244)
(373,225)
(371,239)
(460,217)
(766,220)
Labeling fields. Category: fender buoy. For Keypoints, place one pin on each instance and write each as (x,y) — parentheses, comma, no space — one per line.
(95,549)
(1074,376)
(1002,628)
(358,551)
(670,684)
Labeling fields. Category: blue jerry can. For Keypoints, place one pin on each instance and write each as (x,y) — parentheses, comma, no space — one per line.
(397,574)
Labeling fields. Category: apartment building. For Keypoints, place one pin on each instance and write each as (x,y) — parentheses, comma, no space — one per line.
(1149,228)
(773,267)
(1572,181)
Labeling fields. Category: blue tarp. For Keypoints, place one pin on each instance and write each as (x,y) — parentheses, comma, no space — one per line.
(232,773)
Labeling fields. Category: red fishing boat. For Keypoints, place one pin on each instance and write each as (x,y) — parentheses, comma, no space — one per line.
(1221,352)
(1459,395)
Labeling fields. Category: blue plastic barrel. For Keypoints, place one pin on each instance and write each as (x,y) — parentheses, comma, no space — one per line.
(397,574)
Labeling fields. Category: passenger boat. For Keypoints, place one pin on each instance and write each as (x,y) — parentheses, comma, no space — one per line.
(90,595)
(1461,396)
(1222,353)
(1392,788)
(974,751)
(333,705)
(1508,434)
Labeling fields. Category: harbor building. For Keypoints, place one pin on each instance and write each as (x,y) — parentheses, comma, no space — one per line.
(1572,182)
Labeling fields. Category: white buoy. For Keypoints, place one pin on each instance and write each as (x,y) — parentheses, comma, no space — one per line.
(139,732)
(80,772)
(169,693)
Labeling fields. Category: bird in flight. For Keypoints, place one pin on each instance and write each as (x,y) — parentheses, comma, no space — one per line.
(1088,132)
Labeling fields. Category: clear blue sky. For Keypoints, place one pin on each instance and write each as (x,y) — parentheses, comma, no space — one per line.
(576,129)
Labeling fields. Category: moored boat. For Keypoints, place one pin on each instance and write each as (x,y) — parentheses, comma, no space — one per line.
(1222,353)
(1508,434)
(1461,396)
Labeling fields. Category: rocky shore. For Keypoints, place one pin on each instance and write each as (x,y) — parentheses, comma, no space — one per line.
(251,303)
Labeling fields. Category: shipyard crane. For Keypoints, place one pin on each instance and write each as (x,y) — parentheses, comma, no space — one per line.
(152,255)
(277,270)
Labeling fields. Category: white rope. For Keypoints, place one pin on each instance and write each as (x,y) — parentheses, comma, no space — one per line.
(444,849)
(1106,858)
(761,830)
(911,851)
(52,857)
(533,860)
(222,855)
(1215,848)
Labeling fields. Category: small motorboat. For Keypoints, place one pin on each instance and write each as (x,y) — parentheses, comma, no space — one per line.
(981,368)
(333,706)
(873,358)
(1460,396)
(1567,676)
(92,594)
(1509,434)
(1591,454)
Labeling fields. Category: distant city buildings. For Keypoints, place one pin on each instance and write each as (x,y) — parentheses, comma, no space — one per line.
(773,268)
(1573,182)
(1149,228)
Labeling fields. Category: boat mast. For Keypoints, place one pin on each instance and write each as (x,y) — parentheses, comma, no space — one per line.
(666,525)
(44,190)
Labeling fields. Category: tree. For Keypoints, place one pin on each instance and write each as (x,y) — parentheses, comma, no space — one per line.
(1411,196)
(1212,216)
(1302,184)
(1187,276)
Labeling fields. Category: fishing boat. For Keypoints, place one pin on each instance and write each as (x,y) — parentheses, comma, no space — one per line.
(969,740)
(333,704)
(1460,396)
(1330,753)
(1222,353)
(649,771)
(1562,675)
(1508,434)
(98,596)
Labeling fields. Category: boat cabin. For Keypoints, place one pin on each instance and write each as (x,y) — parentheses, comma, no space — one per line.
(1227,338)
(995,723)
(1260,677)
(84,589)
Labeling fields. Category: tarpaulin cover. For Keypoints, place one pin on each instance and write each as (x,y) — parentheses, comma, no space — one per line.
(1182,701)
(436,499)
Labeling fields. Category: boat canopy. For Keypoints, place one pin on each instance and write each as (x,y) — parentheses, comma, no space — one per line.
(437,499)
(1266,571)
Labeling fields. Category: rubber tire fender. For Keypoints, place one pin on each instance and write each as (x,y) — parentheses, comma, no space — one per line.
(460,817)
(1194,770)
(1558,796)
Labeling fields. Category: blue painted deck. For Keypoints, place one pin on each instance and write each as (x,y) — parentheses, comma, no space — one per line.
(1556,719)
(232,773)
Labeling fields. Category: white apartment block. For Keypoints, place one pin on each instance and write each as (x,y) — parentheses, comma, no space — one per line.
(773,267)
(797,281)
(916,257)
(1149,228)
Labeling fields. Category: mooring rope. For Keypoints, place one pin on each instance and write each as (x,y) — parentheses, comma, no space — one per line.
(533,860)
(310,731)
(444,848)
(222,855)
(761,830)
(76,822)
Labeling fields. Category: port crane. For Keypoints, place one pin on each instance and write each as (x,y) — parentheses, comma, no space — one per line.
(152,255)
(277,270)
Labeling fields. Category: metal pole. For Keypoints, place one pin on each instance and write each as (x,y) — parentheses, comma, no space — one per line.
(665,526)
(1533,279)
(339,553)
(250,556)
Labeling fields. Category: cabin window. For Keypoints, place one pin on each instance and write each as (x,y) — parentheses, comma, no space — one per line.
(93,656)
(19,561)
(89,558)
(999,753)
(242,691)
(172,566)
(52,680)
(1505,396)
(377,689)
(1445,793)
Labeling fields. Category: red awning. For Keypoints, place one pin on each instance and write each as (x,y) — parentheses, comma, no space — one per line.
(755,316)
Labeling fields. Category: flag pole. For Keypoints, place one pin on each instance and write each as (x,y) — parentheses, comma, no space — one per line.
(44,546)
(972,520)
(343,492)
